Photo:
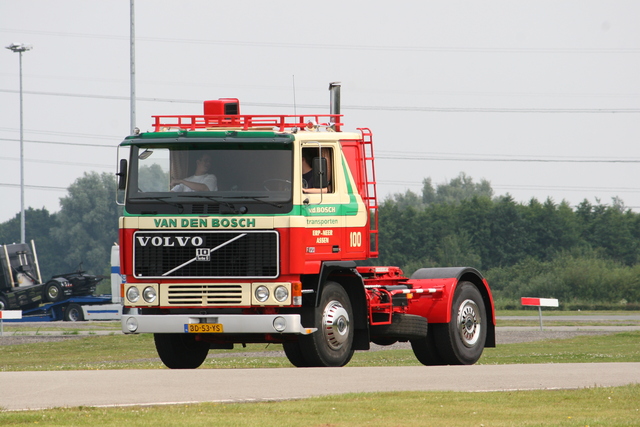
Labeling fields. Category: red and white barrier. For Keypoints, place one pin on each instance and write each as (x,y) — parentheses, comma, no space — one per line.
(540,302)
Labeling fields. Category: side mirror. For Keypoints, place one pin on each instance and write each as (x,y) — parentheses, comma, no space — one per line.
(122,175)
(320,171)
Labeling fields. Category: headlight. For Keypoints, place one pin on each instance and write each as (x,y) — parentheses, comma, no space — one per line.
(133,294)
(262,293)
(149,294)
(281,294)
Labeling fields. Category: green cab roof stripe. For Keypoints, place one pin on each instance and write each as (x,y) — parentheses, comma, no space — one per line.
(209,136)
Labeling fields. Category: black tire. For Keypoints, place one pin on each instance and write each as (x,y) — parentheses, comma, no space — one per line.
(181,351)
(383,341)
(4,304)
(461,341)
(425,348)
(294,353)
(403,326)
(73,313)
(53,292)
(332,344)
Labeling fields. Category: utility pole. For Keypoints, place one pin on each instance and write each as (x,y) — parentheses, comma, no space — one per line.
(132,48)
(20,48)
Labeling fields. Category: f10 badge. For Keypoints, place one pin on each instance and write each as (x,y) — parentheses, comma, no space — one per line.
(203,254)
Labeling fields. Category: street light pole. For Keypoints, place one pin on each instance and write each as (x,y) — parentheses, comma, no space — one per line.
(20,48)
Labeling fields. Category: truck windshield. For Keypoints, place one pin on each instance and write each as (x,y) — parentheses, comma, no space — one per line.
(204,179)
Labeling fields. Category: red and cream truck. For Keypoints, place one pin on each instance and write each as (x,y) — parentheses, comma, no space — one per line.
(249,228)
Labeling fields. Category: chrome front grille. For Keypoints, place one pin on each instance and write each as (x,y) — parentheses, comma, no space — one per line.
(206,294)
(206,254)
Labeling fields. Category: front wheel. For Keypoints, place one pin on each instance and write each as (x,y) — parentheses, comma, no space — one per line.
(181,351)
(53,292)
(461,341)
(332,344)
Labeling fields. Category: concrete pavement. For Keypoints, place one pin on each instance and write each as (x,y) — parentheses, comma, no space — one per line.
(48,389)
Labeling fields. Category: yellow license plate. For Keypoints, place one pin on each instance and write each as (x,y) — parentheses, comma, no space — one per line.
(204,328)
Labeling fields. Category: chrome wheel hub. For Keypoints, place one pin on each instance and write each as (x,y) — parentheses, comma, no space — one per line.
(335,325)
(469,323)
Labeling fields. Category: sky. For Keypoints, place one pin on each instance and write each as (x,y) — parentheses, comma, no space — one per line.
(540,98)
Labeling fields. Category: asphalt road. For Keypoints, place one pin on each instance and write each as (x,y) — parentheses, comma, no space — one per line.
(48,389)
(37,390)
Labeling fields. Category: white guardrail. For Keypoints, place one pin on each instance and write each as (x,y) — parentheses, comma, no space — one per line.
(9,314)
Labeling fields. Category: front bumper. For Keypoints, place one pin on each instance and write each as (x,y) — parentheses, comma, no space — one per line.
(231,323)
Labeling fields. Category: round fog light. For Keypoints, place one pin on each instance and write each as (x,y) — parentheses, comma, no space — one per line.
(262,293)
(133,294)
(132,324)
(281,294)
(279,324)
(149,294)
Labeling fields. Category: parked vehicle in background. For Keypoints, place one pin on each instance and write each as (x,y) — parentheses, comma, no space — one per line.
(20,280)
(67,285)
(68,296)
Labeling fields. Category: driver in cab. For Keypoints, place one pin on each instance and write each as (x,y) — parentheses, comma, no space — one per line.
(201,180)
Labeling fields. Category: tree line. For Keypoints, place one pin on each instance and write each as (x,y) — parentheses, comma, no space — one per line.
(583,256)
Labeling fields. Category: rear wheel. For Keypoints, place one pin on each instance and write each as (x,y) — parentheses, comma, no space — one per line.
(461,341)
(332,344)
(181,351)
(425,348)
(73,313)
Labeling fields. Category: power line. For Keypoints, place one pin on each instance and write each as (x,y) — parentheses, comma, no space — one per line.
(288,45)
(60,143)
(488,159)
(34,187)
(531,187)
(381,155)
(71,134)
(55,162)
(355,107)
(377,90)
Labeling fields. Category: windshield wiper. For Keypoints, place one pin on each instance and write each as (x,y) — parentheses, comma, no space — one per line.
(161,199)
(266,202)
(242,210)
(230,205)
(257,199)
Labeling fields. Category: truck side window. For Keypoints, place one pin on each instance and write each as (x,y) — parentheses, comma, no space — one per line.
(311,164)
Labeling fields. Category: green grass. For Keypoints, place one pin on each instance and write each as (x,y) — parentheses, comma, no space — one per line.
(550,311)
(44,327)
(138,352)
(617,406)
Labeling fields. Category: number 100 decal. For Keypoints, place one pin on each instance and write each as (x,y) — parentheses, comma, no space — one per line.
(355,239)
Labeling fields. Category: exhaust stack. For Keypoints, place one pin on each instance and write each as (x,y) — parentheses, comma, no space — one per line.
(334,107)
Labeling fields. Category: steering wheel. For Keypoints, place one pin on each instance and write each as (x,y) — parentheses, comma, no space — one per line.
(277,185)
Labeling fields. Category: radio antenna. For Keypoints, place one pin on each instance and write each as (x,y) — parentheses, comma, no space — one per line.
(293,77)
